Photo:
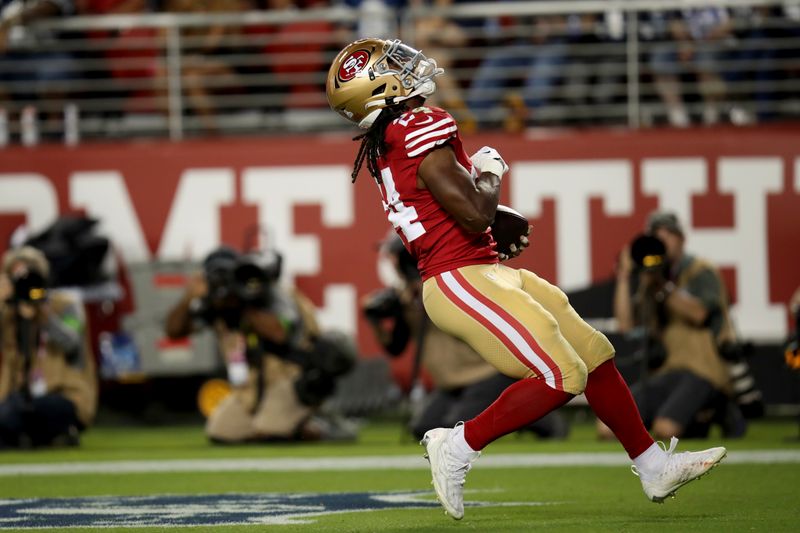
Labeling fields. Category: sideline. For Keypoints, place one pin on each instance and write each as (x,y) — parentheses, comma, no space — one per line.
(393,462)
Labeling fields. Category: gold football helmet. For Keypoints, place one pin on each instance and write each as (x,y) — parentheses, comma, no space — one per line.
(371,74)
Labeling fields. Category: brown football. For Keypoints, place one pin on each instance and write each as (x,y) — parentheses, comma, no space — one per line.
(508,226)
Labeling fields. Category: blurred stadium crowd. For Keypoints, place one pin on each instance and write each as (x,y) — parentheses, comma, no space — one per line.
(106,68)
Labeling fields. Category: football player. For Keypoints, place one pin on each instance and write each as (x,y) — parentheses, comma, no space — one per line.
(441,202)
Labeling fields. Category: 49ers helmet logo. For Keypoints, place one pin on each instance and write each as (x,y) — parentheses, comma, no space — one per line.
(354,64)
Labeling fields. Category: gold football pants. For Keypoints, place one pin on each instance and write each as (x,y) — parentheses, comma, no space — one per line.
(520,323)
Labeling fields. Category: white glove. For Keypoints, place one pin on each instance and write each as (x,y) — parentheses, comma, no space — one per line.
(487,159)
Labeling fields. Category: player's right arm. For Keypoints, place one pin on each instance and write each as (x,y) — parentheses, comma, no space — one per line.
(471,202)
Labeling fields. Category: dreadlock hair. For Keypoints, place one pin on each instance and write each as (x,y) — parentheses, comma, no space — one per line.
(373,144)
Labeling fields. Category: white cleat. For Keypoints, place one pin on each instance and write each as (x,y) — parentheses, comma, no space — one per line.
(680,469)
(449,469)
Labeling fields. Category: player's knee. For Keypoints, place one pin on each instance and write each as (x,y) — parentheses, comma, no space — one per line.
(606,355)
(601,345)
(574,376)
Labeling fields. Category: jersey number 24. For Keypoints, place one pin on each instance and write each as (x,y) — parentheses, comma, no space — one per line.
(400,215)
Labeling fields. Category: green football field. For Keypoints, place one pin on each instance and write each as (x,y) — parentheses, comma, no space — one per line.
(153,479)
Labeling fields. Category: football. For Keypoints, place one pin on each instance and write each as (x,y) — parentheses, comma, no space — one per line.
(508,226)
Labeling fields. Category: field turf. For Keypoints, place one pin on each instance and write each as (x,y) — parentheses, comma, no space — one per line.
(736,496)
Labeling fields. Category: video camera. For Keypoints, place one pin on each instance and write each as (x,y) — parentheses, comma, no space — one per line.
(237,281)
(29,287)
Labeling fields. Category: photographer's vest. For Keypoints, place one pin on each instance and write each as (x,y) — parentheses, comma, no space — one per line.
(694,348)
(76,381)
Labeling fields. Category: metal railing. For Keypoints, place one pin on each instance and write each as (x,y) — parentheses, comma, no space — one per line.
(509,64)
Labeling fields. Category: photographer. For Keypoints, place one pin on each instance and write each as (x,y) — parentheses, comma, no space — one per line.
(681,307)
(464,383)
(48,389)
(280,366)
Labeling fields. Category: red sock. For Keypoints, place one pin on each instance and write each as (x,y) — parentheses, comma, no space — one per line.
(520,404)
(612,402)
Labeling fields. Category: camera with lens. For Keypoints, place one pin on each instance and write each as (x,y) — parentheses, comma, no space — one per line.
(236,282)
(253,276)
(29,286)
(649,256)
(383,304)
(648,253)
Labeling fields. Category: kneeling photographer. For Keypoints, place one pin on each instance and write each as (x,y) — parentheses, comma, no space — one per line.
(280,366)
(48,388)
(681,309)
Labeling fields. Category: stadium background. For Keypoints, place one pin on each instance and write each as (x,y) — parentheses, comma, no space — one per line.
(587,195)
(168,184)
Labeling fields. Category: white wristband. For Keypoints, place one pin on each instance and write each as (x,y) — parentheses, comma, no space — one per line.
(494,166)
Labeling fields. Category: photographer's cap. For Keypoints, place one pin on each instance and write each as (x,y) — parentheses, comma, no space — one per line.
(666,220)
(31,257)
(27,268)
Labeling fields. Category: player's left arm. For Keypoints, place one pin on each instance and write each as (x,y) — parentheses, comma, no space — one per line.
(472,203)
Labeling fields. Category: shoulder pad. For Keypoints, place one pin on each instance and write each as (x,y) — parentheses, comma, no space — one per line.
(424,128)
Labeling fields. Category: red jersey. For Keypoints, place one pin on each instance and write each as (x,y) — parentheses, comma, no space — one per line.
(429,232)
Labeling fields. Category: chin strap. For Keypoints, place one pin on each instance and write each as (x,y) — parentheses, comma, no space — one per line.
(367,121)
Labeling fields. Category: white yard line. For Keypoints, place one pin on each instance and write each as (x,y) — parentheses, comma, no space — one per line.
(392,462)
